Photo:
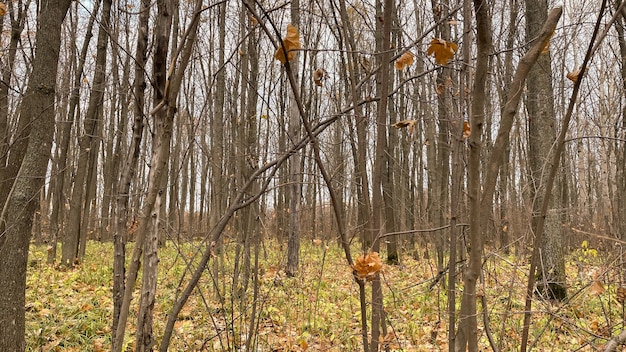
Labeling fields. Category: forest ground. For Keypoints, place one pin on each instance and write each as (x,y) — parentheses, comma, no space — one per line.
(71,310)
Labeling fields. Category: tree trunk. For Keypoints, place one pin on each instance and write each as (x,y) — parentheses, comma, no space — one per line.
(88,142)
(129,170)
(22,202)
(295,170)
(467,335)
(383,84)
(541,136)
(63,139)
(161,138)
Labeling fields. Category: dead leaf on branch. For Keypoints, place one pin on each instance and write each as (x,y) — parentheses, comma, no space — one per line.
(368,266)
(253,21)
(442,50)
(319,76)
(467,130)
(546,45)
(573,76)
(291,43)
(133,228)
(3,9)
(405,60)
(406,123)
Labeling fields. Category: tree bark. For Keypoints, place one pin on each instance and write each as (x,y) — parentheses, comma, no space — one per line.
(541,136)
(20,206)
(467,336)
(88,142)
(295,170)
(129,169)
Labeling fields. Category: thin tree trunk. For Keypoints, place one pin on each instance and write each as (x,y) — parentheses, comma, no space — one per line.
(87,142)
(148,229)
(383,88)
(64,136)
(129,170)
(468,334)
(295,171)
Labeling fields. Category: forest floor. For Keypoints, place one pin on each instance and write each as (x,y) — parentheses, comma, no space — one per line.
(71,310)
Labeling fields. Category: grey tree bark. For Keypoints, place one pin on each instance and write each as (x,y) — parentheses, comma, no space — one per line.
(129,169)
(80,202)
(295,169)
(19,208)
(541,137)
(64,130)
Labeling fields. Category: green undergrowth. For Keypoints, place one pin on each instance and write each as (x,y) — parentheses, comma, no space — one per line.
(70,310)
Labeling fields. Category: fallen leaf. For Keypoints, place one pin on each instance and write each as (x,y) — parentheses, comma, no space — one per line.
(404,60)
(621,294)
(291,43)
(442,50)
(597,288)
(3,9)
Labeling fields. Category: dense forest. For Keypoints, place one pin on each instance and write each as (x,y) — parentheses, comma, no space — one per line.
(210,152)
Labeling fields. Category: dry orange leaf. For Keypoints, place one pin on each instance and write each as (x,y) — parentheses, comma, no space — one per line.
(368,266)
(3,9)
(404,60)
(133,228)
(597,288)
(291,43)
(467,130)
(253,21)
(442,50)
(546,45)
(573,76)
(406,123)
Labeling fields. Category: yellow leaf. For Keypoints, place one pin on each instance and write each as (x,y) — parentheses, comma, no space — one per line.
(404,60)
(291,43)
(3,9)
(597,288)
(442,50)
(304,344)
